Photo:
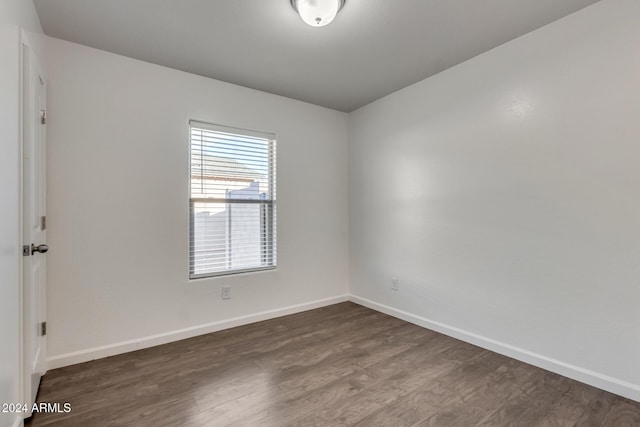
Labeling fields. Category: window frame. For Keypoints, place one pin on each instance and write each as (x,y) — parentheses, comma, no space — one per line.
(268,233)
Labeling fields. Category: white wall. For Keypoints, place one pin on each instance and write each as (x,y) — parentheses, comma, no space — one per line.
(14,16)
(504,195)
(118,204)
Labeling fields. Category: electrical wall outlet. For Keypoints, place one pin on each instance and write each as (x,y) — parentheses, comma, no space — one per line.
(394,283)
(226,292)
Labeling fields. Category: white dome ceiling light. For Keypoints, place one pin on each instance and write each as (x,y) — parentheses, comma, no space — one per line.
(317,13)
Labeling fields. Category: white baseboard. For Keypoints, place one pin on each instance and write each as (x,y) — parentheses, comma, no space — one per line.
(86,355)
(604,382)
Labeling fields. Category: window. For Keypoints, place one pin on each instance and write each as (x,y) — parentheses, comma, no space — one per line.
(232,208)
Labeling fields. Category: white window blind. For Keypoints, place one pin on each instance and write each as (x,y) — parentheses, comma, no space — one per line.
(232,200)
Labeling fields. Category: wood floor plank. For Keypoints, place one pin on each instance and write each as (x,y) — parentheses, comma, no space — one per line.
(583,406)
(466,399)
(300,380)
(375,386)
(341,365)
(529,404)
(623,413)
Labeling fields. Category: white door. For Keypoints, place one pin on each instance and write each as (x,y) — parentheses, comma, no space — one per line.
(34,225)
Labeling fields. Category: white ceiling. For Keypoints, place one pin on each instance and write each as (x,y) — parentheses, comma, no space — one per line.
(373,48)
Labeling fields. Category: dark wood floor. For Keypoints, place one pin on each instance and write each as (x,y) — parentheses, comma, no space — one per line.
(340,365)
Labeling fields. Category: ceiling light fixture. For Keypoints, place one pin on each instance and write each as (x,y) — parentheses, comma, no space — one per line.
(317,13)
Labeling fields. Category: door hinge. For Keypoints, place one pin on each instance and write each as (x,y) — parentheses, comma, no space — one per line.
(43,328)
(26,250)
(43,117)
(43,222)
